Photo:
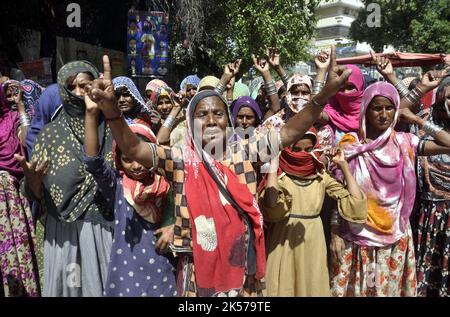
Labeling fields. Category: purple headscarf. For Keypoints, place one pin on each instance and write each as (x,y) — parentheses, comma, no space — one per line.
(246,102)
(9,142)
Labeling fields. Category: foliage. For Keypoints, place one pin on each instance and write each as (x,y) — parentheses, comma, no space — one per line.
(231,29)
(408,25)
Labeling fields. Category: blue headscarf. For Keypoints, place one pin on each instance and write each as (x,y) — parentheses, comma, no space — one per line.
(192,80)
(140,106)
(125,82)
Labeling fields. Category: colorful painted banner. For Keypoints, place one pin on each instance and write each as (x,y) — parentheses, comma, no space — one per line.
(147,43)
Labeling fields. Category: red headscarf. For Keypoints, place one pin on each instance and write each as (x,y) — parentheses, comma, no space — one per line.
(146,197)
(302,163)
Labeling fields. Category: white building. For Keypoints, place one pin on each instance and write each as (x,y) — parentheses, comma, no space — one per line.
(333,26)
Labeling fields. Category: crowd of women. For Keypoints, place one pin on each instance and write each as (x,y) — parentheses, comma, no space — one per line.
(221,191)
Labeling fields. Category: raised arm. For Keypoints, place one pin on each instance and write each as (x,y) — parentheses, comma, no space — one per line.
(429,81)
(25,120)
(163,135)
(91,144)
(102,93)
(296,127)
(273,56)
(263,66)
(384,67)
(322,62)
(441,143)
(230,71)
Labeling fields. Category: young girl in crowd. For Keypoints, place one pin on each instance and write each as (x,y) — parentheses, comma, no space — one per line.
(138,266)
(291,203)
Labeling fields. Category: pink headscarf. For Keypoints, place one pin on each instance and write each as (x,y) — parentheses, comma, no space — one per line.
(9,142)
(384,169)
(344,109)
(155,84)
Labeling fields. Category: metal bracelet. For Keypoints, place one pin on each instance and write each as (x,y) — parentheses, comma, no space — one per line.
(335,218)
(285,79)
(317,88)
(431,129)
(414,95)
(421,149)
(220,88)
(169,122)
(411,99)
(25,120)
(418,92)
(401,88)
(270,88)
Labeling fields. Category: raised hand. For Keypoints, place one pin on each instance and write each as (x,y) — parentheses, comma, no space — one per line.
(273,56)
(34,173)
(383,65)
(433,78)
(337,76)
(323,59)
(102,93)
(232,69)
(261,64)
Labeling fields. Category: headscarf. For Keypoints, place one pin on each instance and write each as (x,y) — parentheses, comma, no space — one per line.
(140,108)
(246,102)
(45,108)
(125,82)
(192,80)
(240,90)
(9,141)
(154,84)
(208,81)
(296,80)
(218,230)
(344,108)
(384,169)
(31,93)
(161,92)
(71,193)
(148,197)
(434,171)
(302,164)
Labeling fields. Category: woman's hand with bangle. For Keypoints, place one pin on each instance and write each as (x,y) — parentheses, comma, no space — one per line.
(432,79)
